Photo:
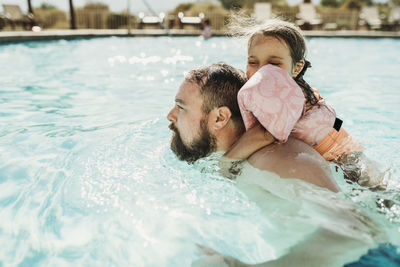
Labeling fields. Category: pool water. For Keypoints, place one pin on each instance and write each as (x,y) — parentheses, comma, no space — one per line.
(86,174)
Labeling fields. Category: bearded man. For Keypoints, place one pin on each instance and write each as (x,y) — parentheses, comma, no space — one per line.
(206,118)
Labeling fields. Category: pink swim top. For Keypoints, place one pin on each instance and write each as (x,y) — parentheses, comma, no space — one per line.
(274,99)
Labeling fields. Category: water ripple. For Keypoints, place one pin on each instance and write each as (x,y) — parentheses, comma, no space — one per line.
(86,174)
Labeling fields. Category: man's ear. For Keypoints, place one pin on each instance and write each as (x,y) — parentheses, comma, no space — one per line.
(298,67)
(220,117)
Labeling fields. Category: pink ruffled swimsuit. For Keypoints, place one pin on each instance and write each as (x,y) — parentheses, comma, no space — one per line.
(274,99)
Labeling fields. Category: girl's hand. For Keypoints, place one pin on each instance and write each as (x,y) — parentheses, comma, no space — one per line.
(251,141)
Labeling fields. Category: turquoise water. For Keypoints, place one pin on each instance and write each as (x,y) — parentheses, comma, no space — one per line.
(86,174)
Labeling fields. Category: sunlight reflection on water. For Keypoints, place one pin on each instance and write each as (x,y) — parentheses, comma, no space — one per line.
(86,174)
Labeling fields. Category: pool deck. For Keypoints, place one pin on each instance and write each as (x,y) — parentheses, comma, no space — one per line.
(23,36)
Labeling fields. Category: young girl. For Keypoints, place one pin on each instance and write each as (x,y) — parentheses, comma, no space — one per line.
(283,106)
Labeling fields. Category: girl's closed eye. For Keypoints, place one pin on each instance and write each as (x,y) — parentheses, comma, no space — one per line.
(274,63)
(252,62)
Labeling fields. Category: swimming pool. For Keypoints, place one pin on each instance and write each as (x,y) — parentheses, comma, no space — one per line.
(86,174)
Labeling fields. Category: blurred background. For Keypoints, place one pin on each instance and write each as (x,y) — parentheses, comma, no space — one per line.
(372,15)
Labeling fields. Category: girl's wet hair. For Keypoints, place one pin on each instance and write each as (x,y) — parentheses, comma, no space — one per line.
(242,26)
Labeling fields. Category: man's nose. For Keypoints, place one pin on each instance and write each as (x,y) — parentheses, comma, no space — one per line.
(171,115)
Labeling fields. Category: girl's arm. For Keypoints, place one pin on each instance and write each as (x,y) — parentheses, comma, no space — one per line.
(272,98)
(251,141)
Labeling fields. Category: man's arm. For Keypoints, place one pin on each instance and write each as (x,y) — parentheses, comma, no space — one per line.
(322,248)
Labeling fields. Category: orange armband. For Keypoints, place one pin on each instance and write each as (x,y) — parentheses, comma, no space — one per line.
(337,143)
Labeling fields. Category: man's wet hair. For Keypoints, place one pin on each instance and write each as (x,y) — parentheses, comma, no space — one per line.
(219,85)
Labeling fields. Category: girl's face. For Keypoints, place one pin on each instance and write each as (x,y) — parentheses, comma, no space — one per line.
(269,50)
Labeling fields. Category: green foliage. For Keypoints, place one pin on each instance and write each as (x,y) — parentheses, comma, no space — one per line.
(194,9)
(96,6)
(51,17)
(46,6)
(330,3)
(395,2)
(232,4)
(116,21)
(184,7)
(355,4)
(348,4)
(208,8)
(275,3)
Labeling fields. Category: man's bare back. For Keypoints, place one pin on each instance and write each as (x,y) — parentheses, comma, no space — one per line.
(295,159)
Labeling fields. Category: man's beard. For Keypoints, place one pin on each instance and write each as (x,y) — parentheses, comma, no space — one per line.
(200,147)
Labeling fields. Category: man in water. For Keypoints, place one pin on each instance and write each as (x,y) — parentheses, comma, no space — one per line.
(206,118)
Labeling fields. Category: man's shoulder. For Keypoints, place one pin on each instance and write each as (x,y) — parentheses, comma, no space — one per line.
(294,159)
(289,153)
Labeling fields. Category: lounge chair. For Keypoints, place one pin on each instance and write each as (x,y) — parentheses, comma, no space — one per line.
(394,18)
(262,11)
(369,17)
(13,15)
(151,21)
(308,18)
(190,21)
